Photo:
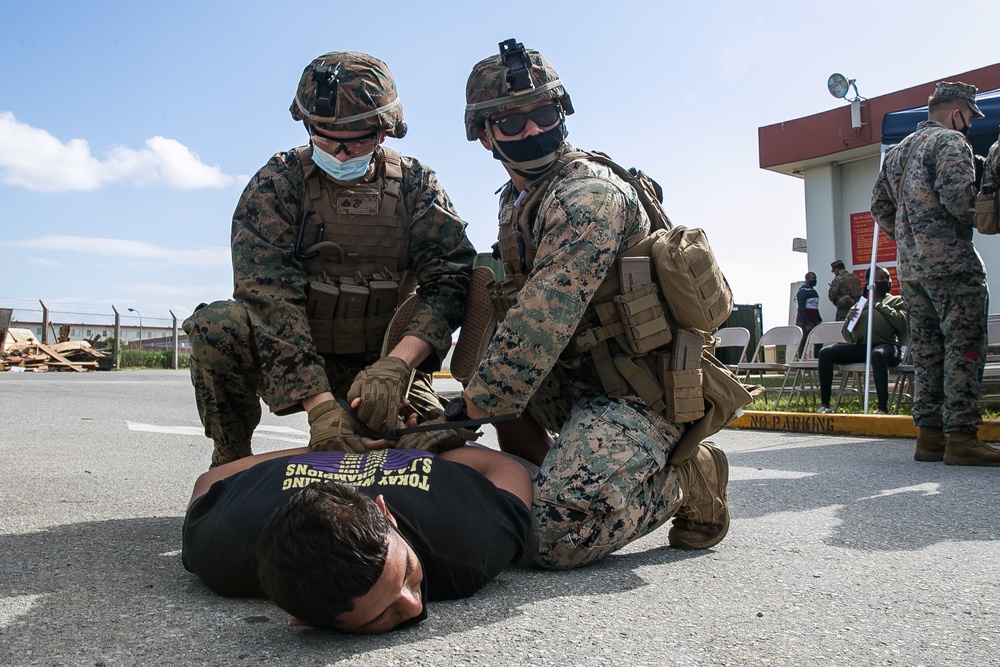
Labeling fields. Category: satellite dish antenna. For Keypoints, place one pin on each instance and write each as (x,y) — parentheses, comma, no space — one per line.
(839,85)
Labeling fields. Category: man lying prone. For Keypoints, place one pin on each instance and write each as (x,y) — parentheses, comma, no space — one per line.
(357,542)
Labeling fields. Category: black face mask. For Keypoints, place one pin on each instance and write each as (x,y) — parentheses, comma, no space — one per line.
(882,287)
(530,149)
(966,127)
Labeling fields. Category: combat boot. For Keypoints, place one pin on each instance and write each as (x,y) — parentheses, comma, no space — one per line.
(966,449)
(703,520)
(224,454)
(930,444)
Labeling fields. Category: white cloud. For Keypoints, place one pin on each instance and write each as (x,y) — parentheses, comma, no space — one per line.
(33,159)
(200,257)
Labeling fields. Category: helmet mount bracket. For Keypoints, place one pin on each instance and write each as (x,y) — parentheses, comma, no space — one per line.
(325,78)
(518,67)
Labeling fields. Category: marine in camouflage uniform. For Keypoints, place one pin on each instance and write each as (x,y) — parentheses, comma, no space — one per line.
(845,289)
(604,481)
(991,171)
(261,343)
(942,277)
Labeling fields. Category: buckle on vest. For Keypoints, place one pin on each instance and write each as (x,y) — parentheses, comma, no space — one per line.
(586,340)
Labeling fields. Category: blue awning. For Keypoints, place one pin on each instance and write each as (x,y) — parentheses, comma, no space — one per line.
(897,124)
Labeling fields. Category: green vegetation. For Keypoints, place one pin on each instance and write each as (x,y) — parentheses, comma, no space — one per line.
(129,358)
(807,400)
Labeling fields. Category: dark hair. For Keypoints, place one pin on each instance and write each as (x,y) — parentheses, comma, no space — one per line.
(320,551)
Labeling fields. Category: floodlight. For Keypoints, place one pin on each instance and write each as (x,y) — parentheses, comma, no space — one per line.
(839,85)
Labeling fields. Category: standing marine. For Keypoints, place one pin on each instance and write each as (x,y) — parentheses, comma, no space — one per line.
(924,199)
(845,288)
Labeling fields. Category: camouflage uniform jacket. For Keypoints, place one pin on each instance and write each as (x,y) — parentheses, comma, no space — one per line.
(845,288)
(991,171)
(272,283)
(933,224)
(587,217)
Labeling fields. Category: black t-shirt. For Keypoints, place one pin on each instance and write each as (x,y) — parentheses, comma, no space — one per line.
(463,528)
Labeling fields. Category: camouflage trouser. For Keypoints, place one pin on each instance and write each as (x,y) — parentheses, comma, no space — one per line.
(604,483)
(229,381)
(948,332)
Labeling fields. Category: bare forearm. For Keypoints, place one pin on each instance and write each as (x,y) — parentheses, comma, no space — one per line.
(504,472)
(525,438)
(412,350)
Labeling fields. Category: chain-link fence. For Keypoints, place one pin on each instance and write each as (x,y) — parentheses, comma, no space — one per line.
(112,326)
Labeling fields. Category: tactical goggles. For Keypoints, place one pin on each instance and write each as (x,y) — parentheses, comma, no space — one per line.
(358,146)
(513,124)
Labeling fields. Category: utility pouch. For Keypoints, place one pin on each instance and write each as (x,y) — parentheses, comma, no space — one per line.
(381,305)
(687,350)
(682,389)
(644,325)
(725,395)
(349,320)
(696,292)
(988,214)
(503,295)
(633,273)
(321,306)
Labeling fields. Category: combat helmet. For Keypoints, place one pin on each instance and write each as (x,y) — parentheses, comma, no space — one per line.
(348,91)
(514,78)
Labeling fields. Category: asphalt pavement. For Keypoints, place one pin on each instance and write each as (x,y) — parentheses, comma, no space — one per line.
(842,551)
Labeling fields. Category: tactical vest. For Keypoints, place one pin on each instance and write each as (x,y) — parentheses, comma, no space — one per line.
(354,246)
(636,346)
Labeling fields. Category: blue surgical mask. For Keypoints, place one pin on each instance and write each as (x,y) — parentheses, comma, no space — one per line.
(348,170)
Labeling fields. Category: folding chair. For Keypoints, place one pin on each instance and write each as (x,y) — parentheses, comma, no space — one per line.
(991,373)
(785,336)
(903,386)
(806,369)
(856,371)
(736,338)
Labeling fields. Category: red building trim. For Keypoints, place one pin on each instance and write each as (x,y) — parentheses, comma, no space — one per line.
(830,132)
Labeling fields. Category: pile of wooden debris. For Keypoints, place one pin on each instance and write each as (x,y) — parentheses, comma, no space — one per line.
(22,351)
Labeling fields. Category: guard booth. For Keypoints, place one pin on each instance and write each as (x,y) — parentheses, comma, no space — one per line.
(750,316)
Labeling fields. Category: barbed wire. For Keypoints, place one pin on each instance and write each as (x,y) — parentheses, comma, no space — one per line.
(77,309)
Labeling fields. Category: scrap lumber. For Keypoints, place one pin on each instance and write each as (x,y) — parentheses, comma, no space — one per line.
(49,350)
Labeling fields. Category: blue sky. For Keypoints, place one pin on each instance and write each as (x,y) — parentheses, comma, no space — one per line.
(128,129)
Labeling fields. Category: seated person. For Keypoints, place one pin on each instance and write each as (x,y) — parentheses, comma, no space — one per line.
(889,326)
(357,542)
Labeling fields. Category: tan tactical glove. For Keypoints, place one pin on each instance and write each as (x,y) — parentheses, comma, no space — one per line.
(381,388)
(331,428)
(437,441)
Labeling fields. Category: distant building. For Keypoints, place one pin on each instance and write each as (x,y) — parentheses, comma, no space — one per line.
(838,156)
(153,338)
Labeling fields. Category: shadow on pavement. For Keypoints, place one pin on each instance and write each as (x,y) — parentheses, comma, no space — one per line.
(115,592)
(885,500)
